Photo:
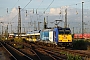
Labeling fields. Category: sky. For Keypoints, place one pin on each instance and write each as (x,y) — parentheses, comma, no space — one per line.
(40,4)
(52,9)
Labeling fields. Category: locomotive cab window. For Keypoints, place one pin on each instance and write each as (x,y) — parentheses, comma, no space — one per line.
(67,32)
(61,31)
(64,31)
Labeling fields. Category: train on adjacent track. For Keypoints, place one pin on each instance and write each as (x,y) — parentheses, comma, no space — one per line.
(59,36)
(81,36)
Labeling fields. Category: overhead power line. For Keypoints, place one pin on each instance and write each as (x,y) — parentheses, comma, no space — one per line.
(23,8)
(49,6)
(13,5)
(40,4)
(16,3)
(27,4)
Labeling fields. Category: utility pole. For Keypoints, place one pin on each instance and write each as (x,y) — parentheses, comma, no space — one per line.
(73,30)
(11,28)
(39,25)
(45,24)
(7,33)
(82,21)
(47,21)
(65,18)
(2,30)
(24,29)
(19,23)
(35,28)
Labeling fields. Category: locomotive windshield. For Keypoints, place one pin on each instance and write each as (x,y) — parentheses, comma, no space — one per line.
(64,31)
(61,31)
(67,31)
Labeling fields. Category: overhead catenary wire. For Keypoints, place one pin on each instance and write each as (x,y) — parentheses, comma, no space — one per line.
(49,6)
(39,6)
(71,4)
(16,3)
(7,9)
(27,4)
(13,6)
(23,8)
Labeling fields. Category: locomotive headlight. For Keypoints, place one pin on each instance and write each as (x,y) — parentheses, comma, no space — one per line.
(60,40)
(69,40)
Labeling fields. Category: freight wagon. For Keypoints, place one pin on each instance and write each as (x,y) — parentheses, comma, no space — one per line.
(80,36)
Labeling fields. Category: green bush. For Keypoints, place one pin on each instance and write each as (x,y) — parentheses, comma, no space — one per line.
(79,44)
(72,57)
(88,47)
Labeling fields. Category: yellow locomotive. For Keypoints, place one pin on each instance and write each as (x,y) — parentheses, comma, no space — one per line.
(64,37)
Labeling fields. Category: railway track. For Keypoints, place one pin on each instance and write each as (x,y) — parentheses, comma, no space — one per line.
(74,52)
(59,51)
(54,55)
(15,54)
(46,53)
(83,54)
(37,54)
(79,52)
(41,52)
(32,52)
(69,50)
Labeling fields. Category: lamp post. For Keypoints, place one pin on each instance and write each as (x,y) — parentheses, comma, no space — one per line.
(82,21)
